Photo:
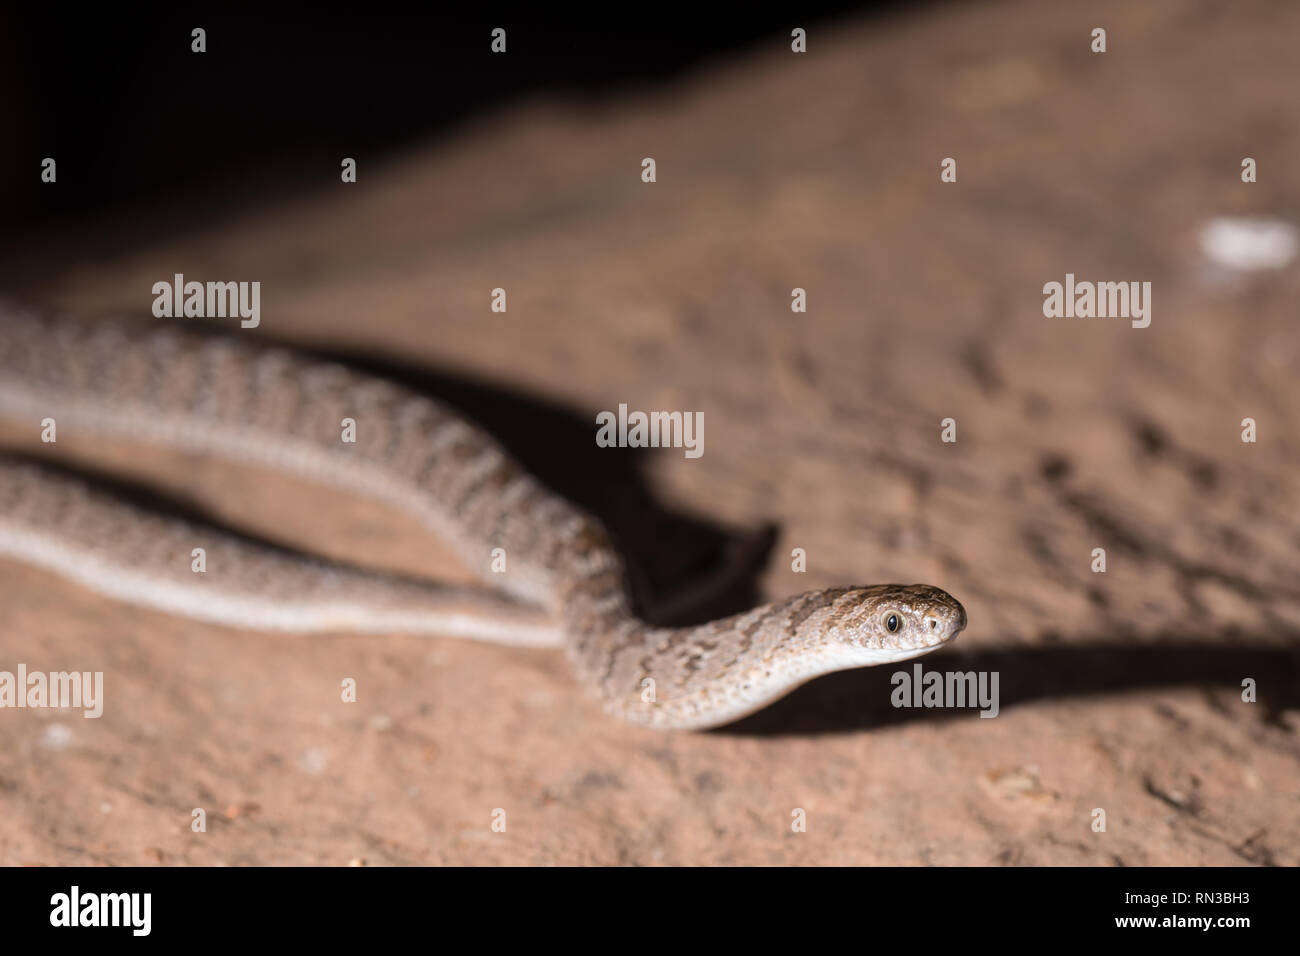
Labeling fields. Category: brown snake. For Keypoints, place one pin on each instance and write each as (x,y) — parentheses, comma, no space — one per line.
(565,584)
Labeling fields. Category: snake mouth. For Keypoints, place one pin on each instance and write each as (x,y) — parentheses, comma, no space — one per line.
(951,633)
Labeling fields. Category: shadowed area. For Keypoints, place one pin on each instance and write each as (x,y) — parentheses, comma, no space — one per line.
(860,700)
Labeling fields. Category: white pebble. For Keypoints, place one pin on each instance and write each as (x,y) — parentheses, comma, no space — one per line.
(56,737)
(1248,244)
(314,760)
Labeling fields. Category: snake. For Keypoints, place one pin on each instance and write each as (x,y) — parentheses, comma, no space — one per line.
(550,573)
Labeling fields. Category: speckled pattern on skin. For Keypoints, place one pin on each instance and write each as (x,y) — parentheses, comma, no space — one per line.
(271,407)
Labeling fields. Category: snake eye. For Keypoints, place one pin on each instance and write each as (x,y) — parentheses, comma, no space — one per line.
(893,622)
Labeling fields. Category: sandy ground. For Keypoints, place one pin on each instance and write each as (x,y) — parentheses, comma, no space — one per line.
(1119,691)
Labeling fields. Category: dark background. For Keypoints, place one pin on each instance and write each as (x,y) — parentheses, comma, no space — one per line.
(129,113)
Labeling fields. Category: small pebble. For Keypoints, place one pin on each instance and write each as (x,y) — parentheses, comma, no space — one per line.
(56,737)
(1249,244)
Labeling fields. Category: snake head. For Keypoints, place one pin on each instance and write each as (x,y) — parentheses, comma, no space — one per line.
(896,617)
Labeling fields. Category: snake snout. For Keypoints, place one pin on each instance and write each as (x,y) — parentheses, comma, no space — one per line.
(941,616)
(946,620)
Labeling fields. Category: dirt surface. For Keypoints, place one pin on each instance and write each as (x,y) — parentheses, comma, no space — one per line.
(1119,691)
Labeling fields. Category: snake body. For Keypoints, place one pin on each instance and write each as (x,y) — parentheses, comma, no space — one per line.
(565,584)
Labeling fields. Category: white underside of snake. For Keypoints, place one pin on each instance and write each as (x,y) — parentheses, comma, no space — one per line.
(565,584)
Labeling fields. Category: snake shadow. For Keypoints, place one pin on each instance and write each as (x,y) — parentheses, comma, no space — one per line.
(857,700)
(685,569)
